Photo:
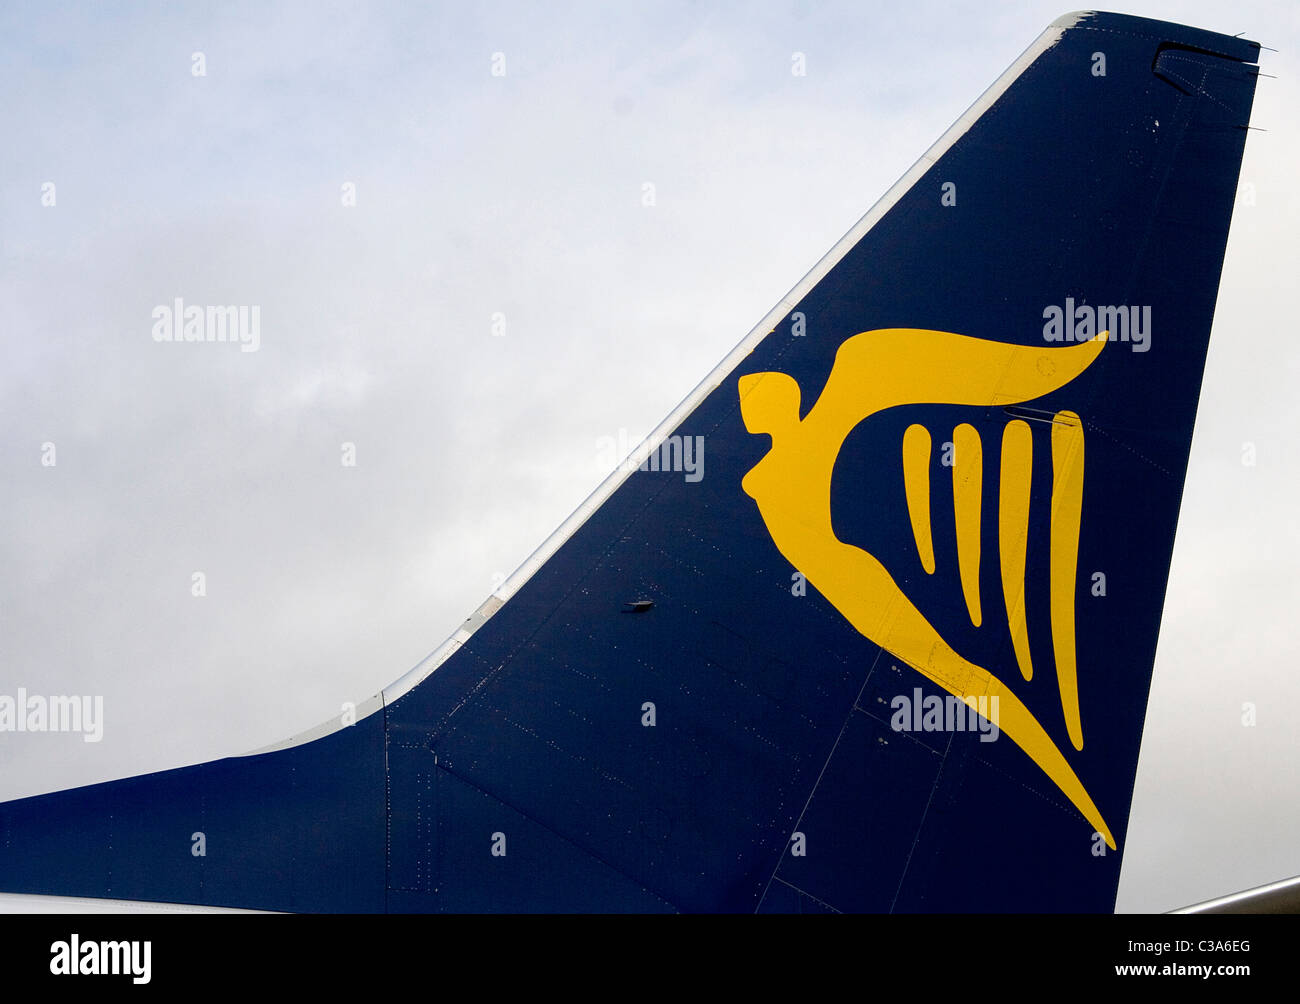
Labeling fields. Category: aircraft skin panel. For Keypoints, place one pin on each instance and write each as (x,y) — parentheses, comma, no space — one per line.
(300,830)
(763,734)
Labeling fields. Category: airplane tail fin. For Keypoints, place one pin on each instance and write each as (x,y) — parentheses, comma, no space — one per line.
(870,624)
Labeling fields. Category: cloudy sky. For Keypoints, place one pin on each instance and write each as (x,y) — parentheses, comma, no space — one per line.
(497,300)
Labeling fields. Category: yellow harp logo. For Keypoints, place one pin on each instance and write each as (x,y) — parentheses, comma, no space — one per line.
(889,367)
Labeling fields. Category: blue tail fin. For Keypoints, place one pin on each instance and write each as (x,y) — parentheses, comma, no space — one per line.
(869,627)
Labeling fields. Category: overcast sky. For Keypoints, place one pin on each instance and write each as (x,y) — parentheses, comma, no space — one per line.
(520,195)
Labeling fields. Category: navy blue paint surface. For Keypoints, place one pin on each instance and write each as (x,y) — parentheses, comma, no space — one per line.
(772,712)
